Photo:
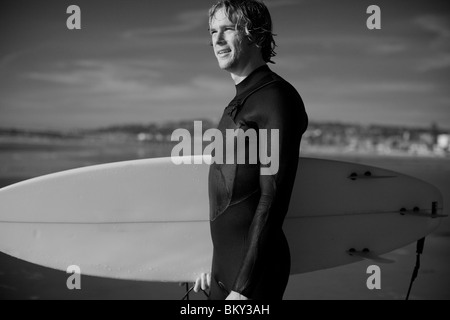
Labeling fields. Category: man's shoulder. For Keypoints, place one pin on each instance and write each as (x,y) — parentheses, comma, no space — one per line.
(277,88)
(277,99)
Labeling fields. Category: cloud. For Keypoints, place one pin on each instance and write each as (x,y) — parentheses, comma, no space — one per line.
(355,88)
(184,22)
(386,87)
(189,20)
(325,41)
(437,62)
(211,85)
(102,76)
(282,3)
(124,86)
(17,56)
(296,62)
(388,48)
(438,54)
(8,59)
(439,25)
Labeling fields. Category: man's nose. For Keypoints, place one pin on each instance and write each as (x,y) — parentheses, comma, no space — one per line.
(219,39)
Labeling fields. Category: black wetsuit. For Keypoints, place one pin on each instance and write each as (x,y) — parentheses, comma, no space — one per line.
(247,210)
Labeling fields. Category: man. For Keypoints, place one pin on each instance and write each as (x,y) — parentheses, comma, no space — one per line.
(251,257)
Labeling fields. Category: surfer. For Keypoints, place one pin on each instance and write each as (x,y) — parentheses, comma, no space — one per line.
(251,257)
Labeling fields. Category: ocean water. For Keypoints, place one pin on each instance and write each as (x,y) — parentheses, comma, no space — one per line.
(23,280)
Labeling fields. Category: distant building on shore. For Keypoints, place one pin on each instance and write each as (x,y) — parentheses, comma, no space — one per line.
(443,142)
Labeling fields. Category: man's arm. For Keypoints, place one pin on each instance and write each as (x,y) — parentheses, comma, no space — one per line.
(277,111)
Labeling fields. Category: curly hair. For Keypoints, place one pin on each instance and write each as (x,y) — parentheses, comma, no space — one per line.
(254,18)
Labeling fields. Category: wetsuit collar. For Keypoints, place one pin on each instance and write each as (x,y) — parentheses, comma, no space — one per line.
(253,78)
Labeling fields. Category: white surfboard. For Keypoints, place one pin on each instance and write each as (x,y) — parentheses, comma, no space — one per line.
(148,219)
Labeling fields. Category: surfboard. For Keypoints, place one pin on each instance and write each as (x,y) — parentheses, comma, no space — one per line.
(149,219)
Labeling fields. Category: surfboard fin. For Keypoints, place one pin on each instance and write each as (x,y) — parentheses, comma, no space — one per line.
(366,175)
(367,255)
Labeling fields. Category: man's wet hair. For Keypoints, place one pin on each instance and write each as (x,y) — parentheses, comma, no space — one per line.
(253,17)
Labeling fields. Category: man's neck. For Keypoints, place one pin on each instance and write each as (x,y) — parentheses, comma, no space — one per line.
(238,77)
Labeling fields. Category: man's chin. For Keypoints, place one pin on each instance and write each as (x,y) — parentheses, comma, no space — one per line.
(224,65)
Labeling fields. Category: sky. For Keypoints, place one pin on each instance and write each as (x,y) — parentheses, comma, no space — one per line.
(139,62)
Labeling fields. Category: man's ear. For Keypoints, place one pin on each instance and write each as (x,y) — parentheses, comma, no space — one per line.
(252,42)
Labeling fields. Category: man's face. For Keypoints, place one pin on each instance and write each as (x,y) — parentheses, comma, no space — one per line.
(231,46)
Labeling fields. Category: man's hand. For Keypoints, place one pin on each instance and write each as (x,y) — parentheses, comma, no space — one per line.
(203,282)
(236,296)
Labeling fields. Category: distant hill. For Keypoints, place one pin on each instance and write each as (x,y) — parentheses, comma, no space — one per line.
(344,136)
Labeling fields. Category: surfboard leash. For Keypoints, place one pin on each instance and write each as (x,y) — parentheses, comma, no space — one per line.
(188,291)
(419,250)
